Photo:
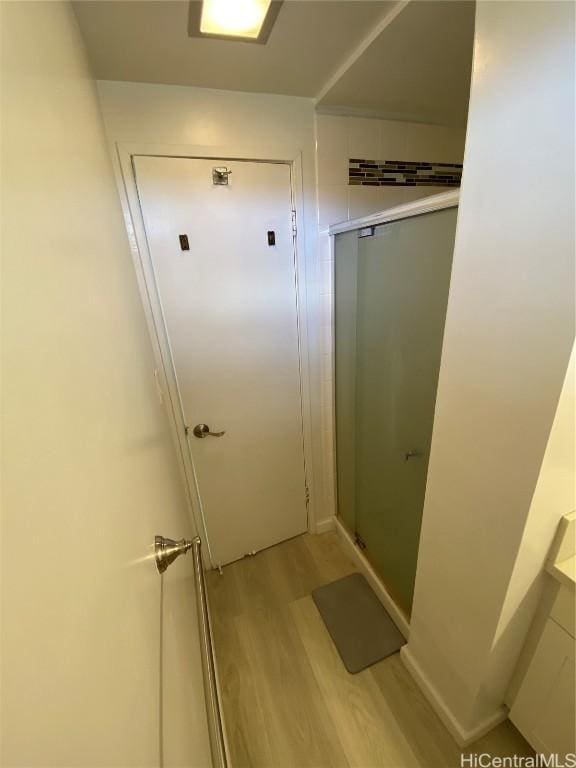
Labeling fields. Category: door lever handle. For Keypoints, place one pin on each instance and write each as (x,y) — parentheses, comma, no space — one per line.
(411,454)
(203,430)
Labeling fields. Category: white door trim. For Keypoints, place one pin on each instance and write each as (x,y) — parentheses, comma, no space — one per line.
(166,374)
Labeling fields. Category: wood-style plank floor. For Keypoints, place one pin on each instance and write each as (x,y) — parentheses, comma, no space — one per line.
(289,702)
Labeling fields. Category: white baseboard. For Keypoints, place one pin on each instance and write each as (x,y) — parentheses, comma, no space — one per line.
(373,579)
(325,525)
(462,736)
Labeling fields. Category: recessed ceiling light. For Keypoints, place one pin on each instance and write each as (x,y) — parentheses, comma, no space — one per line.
(240,18)
(247,20)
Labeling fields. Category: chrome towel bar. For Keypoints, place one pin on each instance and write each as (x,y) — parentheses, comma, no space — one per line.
(213,710)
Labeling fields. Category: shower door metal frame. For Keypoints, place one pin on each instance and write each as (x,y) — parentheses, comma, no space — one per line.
(419,207)
(406,211)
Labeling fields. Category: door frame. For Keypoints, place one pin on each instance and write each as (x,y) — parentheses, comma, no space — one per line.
(165,372)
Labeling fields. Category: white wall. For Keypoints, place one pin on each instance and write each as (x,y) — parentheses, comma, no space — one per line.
(231,123)
(89,472)
(340,138)
(509,332)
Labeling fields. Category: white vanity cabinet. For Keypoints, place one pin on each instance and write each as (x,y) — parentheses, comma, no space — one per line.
(543,710)
(544,707)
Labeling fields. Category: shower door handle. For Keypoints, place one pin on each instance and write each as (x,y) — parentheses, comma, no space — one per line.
(411,454)
(203,430)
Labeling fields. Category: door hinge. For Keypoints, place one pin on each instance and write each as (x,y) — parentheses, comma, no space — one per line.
(359,541)
(307,494)
(294,227)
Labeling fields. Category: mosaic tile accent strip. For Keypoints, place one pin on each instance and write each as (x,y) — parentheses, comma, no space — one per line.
(401,173)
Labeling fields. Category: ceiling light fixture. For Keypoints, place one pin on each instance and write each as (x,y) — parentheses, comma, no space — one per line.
(246,20)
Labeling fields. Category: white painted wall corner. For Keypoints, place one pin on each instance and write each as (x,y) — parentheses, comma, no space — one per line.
(325,525)
(461,735)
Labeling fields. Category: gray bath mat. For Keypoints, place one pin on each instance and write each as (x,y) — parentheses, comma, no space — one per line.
(358,623)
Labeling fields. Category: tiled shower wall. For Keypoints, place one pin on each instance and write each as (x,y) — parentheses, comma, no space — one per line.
(339,140)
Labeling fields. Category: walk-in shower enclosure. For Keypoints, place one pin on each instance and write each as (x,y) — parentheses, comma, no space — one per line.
(391,282)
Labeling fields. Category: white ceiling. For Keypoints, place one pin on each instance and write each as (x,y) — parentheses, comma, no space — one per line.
(417,67)
(147,41)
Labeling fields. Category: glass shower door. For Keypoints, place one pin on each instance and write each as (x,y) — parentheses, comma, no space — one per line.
(391,293)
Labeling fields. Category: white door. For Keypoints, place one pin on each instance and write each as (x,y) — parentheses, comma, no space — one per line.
(230,310)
